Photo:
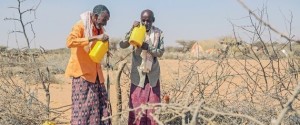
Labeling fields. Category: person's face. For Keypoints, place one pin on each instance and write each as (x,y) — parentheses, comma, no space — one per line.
(147,20)
(101,19)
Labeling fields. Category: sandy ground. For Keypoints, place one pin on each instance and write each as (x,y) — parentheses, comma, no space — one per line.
(61,93)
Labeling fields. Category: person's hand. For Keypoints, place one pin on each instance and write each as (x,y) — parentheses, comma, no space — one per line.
(135,24)
(102,37)
(110,54)
(145,46)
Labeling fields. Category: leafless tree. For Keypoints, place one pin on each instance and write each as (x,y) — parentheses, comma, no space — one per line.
(21,20)
(33,69)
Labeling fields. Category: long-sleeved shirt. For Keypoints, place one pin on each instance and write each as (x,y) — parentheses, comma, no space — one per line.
(80,64)
(137,76)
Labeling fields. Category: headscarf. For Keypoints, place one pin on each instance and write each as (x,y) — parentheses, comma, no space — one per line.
(86,19)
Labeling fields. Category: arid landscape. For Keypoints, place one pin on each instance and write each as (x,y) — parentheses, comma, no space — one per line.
(232,89)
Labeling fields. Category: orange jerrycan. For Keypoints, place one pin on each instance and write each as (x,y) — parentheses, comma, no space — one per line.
(98,51)
(137,36)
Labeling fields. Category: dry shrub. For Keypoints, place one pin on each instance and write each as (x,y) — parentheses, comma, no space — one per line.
(172,49)
(18,76)
(210,44)
(223,93)
(176,55)
(252,88)
(19,106)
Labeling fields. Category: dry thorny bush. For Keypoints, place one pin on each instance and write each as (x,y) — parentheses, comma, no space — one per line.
(21,80)
(248,89)
(21,70)
(19,105)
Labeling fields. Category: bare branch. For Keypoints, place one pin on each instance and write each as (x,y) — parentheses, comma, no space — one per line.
(22,1)
(15,32)
(265,23)
(288,106)
(233,114)
(156,119)
(13,8)
(28,23)
(28,10)
(15,19)
(32,30)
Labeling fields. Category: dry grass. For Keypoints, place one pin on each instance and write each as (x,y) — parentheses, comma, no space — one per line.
(217,83)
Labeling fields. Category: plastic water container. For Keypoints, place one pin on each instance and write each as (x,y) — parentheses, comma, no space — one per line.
(98,51)
(137,36)
(49,123)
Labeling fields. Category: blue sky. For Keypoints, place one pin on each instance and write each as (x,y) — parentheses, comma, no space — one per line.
(179,19)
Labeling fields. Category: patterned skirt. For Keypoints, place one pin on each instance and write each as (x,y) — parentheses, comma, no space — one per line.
(139,96)
(89,103)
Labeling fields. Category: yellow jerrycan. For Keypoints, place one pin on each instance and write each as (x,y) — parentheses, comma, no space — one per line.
(98,51)
(49,123)
(137,36)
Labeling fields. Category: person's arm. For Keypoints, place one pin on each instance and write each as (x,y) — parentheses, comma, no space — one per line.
(125,43)
(75,37)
